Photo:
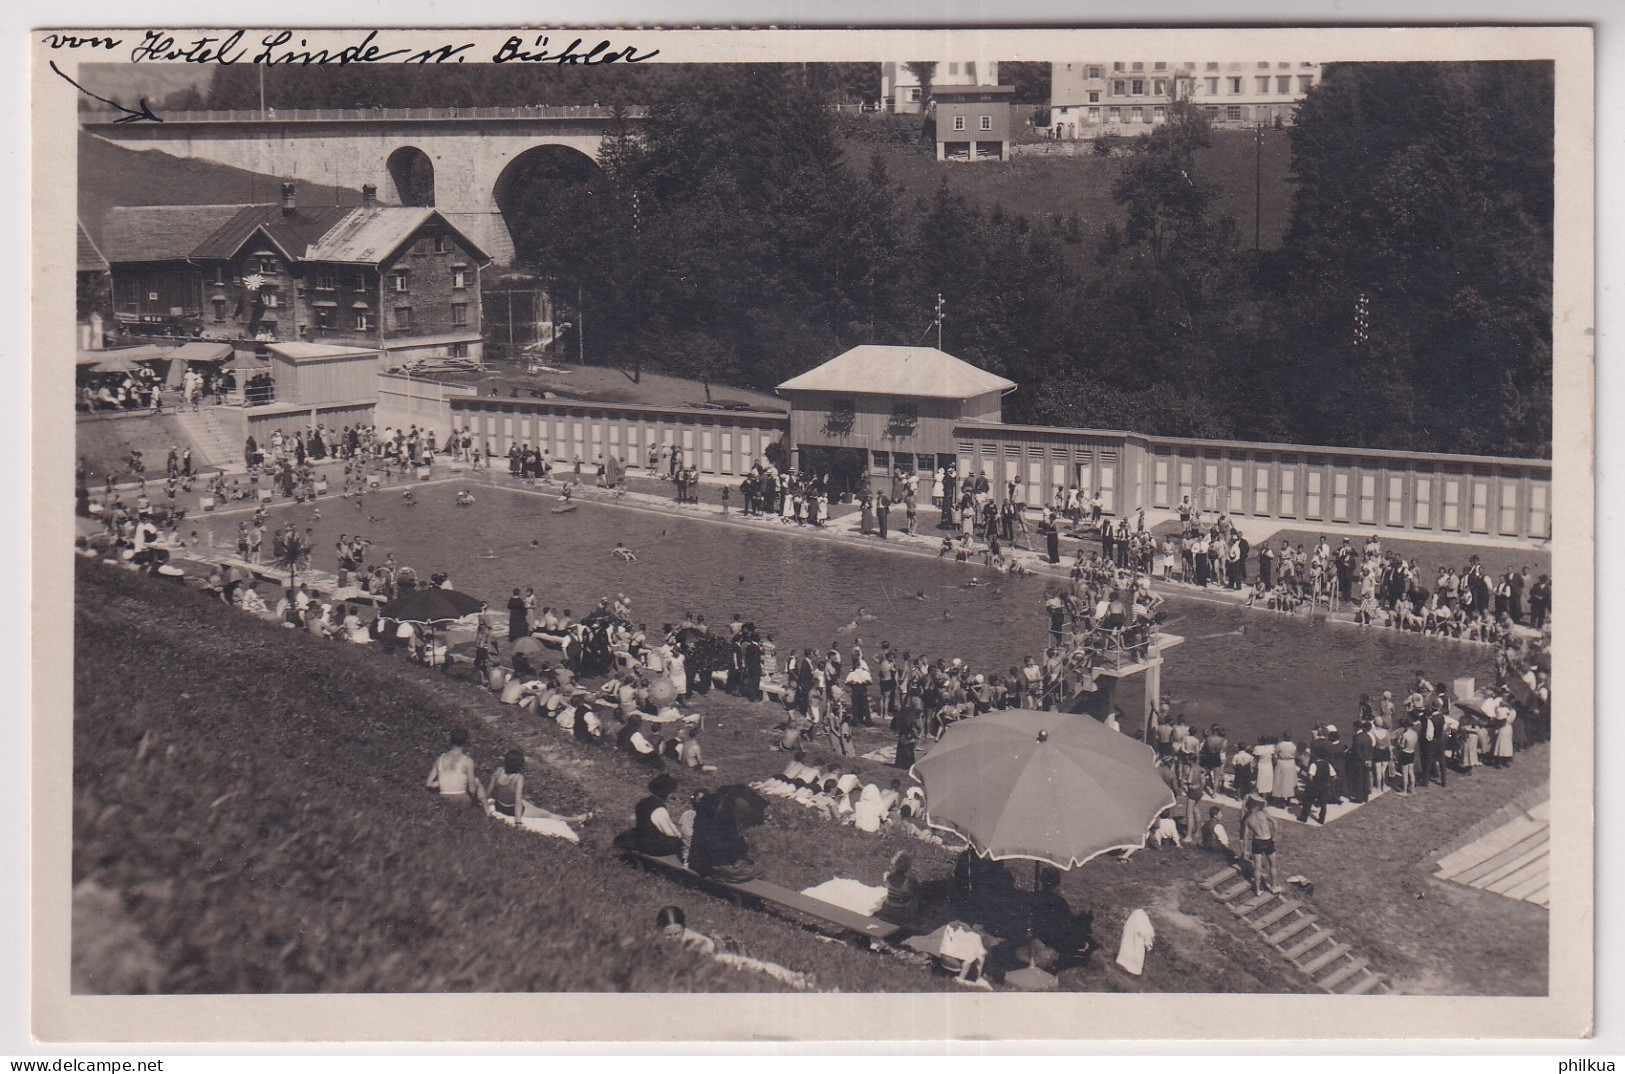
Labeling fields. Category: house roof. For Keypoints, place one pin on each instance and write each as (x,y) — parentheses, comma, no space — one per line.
(370,234)
(922,372)
(367,235)
(291,233)
(161,232)
(90,256)
(317,352)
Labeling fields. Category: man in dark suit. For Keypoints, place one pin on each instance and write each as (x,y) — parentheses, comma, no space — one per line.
(1361,750)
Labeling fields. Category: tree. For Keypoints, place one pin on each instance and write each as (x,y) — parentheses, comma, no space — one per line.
(924,72)
(1426,190)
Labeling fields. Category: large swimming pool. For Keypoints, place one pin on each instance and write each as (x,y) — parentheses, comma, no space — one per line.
(1255,672)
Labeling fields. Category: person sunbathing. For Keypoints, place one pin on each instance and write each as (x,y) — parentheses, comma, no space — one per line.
(453,772)
(506,798)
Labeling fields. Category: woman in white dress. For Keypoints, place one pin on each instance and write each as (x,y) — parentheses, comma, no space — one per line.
(1264,768)
(1286,769)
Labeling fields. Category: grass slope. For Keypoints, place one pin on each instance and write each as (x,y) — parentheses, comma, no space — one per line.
(255,799)
(112,175)
(1046,189)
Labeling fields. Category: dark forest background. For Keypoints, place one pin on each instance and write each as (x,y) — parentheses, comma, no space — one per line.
(743,233)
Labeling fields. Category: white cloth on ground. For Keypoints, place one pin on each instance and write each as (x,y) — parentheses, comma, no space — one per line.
(1138,936)
(853,895)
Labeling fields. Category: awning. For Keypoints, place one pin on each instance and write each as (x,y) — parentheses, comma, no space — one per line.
(326,303)
(360,306)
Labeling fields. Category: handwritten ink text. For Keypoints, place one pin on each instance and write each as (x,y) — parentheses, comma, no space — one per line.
(513,50)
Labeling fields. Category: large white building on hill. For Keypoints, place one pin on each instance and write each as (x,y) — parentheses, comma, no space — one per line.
(1088,99)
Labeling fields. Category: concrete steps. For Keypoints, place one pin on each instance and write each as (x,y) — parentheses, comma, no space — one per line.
(212,438)
(1290,929)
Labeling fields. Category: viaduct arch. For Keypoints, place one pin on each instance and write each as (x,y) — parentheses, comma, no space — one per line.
(458,160)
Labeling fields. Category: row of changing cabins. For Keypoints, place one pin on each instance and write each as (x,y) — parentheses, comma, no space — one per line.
(874,408)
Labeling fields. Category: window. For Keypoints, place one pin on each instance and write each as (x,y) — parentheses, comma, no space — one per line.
(361,281)
(220,276)
(363,321)
(219,309)
(1138,87)
(1263,83)
(1263,65)
(1161,66)
(1139,67)
(269,300)
(459,277)
(1094,115)
(1212,67)
(438,244)
(401,281)
(1212,87)
(459,314)
(1159,86)
(459,350)
(1094,71)
(1158,114)
(959,123)
(1235,84)
(1119,87)
(324,317)
(1094,96)
(1232,111)
(905,415)
(987,123)
(403,318)
(1115,115)
(1134,115)
(1304,82)
(324,282)
(1283,83)
(914,93)
(268,264)
(953,68)
(1117,67)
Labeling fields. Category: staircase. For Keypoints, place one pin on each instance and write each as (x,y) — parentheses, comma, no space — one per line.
(1291,928)
(215,440)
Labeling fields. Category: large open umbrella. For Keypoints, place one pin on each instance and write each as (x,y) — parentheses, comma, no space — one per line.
(433,606)
(1045,786)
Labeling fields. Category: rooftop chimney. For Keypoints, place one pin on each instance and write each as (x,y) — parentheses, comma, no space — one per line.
(369,194)
(287,199)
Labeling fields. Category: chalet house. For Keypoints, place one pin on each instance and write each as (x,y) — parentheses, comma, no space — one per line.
(400,280)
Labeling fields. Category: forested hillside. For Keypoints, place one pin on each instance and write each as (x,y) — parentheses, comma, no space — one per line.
(738,234)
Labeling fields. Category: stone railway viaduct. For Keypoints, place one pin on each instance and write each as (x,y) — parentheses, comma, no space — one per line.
(472,151)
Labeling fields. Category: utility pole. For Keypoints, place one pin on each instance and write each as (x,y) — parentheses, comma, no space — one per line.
(941,306)
(1258,188)
(581,329)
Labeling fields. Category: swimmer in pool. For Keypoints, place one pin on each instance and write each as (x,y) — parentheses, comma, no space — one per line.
(410,499)
(624,553)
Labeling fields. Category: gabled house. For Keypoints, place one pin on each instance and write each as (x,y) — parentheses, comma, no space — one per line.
(399,279)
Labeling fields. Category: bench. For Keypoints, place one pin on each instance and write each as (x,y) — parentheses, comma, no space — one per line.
(860,925)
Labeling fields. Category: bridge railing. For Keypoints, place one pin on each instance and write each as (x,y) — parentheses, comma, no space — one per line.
(375,115)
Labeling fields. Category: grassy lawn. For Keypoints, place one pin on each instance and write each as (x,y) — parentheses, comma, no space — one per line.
(106,444)
(607,385)
(1047,189)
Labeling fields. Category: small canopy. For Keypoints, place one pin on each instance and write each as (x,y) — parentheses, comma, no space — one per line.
(204,352)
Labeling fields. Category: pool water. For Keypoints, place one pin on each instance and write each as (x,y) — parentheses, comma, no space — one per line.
(1253,672)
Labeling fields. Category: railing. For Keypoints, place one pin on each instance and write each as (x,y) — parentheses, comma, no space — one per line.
(375,115)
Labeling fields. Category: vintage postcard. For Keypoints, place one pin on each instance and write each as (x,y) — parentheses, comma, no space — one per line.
(861,534)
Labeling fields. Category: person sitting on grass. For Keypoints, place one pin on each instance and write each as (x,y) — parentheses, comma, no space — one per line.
(453,772)
(672,925)
(654,832)
(506,799)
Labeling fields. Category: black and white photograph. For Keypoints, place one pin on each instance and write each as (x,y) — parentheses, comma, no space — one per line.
(903,518)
